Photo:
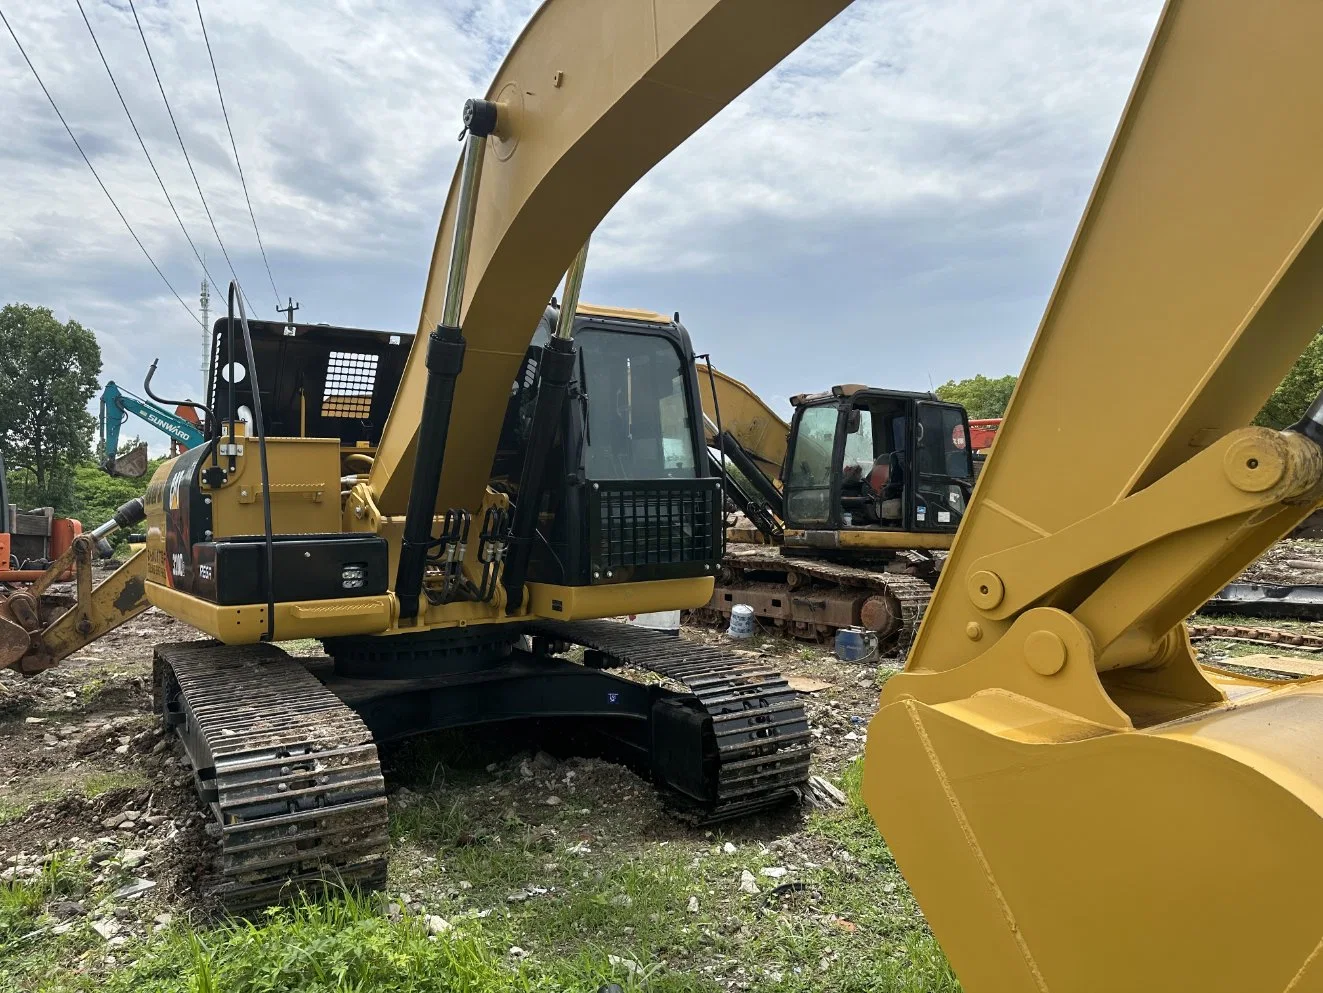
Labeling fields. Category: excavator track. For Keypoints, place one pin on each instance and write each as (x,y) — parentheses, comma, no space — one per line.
(818,596)
(758,738)
(289,772)
(1257,635)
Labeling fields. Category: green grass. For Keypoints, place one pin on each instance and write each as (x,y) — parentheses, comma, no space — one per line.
(615,911)
(339,945)
(345,945)
(302,646)
(99,783)
(859,928)
(46,789)
(21,902)
(12,809)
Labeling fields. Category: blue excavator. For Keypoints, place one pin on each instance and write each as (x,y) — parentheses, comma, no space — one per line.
(117,403)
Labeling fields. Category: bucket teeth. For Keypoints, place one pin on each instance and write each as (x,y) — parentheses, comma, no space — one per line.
(757,731)
(290,773)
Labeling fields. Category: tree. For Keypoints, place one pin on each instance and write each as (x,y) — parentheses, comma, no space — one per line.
(48,373)
(984,397)
(1296,391)
(980,396)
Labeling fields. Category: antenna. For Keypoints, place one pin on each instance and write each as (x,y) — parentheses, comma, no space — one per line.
(288,311)
(204,300)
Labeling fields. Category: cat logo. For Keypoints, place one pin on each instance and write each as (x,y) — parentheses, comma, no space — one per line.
(176,481)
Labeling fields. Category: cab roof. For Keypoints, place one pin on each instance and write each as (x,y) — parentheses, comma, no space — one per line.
(851,389)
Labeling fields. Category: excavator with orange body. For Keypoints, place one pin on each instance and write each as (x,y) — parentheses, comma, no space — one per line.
(1077,804)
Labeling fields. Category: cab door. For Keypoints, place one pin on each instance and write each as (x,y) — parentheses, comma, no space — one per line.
(810,480)
(944,467)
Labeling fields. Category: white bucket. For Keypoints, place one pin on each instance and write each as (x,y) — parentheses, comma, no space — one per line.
(741,621)
(667,621)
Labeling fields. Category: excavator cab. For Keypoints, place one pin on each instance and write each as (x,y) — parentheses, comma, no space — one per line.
(882,460)
(639,503)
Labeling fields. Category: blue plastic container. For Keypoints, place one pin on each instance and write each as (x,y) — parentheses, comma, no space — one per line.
(856,645)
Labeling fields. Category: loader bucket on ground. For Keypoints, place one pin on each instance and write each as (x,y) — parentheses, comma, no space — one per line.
(1054,853)
(14,641)
(131,465)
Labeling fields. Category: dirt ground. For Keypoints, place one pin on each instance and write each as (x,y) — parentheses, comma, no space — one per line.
(1289,562)
(88,772)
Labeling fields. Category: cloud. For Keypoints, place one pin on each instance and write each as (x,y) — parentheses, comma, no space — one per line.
(916,169)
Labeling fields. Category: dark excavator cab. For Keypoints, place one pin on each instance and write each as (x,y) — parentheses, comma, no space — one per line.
(865,458)
(637,501)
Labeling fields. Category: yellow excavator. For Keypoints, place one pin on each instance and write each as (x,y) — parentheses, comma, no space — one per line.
(1077,804)
(852,505)
(592,505)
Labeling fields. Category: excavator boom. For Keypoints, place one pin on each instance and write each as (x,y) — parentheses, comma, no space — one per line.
(573,135)
(732,407)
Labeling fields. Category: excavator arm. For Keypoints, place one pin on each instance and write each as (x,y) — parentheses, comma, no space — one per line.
(39,629)
(1056,776)
(116,406)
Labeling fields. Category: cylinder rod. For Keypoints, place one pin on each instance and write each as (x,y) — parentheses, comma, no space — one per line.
(555,369)
(573,285)
(445,360)
(1311,424)
(553,380)
(461,239)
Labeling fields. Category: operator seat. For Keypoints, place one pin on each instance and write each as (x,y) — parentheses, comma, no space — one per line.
(886,484)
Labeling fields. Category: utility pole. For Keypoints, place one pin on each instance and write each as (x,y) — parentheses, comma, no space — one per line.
(204,299)
(288,311)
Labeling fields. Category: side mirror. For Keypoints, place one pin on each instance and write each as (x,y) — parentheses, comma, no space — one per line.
(852,421)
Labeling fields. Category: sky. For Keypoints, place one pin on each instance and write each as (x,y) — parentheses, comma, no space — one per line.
(890,205)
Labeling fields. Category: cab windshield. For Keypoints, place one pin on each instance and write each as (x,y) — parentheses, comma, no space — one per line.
(638,419)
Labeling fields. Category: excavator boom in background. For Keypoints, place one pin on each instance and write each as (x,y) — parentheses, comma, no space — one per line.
(180,426)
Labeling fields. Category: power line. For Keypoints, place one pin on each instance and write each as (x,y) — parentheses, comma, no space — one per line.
(133,124)
(95,175)
(215,75)
(201,196)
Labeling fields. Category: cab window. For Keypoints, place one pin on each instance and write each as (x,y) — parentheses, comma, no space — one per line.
(638,416)
(809,478)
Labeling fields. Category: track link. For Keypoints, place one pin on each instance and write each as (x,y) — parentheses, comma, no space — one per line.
(756,735)
(289,772)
